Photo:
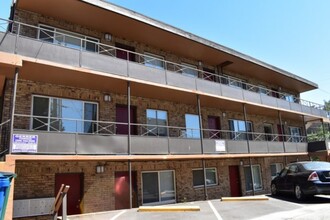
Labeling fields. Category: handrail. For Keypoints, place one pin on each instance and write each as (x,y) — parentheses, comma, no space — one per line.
(55,124)
(104,49)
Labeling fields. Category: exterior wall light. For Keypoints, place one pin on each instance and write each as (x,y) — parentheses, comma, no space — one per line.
(107,37)
(107,98)
(100,169)
(241,163)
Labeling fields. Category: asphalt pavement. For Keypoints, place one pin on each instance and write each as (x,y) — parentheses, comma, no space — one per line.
(276,208)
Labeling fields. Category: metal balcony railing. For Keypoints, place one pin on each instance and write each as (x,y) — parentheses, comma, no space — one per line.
(107,128)
(78,43)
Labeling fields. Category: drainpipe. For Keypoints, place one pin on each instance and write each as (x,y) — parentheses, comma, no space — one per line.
(323,129)
(129,141)
(282,134)
(13,110)
(248,146)
(202,144)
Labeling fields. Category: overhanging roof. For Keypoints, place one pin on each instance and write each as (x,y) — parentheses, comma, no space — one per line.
(109,18)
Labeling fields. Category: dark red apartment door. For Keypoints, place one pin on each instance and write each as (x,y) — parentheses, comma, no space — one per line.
(74,196)
(214,126)
(123,52)
(208,74)
(235,183)
(122,190)
(122,117)
(281,134)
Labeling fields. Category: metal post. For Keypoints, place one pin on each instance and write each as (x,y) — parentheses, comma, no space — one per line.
(13,110)
(248,146)
(64,207)
(304,131)
(282,130)
(323,129)
(202,144)
(129,141)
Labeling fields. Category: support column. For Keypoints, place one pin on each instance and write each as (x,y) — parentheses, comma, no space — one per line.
(202,144)
(282,135)
(323,130)
(304,131)
(248,146)
(129,141)
(12,116)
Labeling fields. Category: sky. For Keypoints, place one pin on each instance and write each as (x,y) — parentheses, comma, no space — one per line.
(292,35)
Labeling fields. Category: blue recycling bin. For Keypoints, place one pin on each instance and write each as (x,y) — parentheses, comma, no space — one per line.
(5,180)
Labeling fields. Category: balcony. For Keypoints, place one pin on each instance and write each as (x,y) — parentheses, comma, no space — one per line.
(65,137)
(22,39)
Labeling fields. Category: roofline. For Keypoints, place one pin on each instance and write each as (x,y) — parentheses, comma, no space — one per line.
(166,27)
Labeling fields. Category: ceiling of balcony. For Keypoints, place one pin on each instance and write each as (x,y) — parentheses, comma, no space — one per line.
(130,25)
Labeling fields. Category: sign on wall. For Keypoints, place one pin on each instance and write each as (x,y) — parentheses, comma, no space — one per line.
(25,143)
(220,146)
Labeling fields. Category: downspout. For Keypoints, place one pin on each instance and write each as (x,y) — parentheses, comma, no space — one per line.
(129,141)
(13,109)
(248,146)
(202,144)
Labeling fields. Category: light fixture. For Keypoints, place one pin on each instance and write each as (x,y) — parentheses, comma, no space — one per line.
(200,63)
(107,37)
(224,114)
(241,163)
(107,98)
(100,169)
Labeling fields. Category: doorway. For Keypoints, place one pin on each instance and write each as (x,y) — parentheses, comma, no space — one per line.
(124,52)
(235,182)
(214,126)
(122,117)
(122,190)
(74,196)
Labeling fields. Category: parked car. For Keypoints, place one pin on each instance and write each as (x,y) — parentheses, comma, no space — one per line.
(303,179)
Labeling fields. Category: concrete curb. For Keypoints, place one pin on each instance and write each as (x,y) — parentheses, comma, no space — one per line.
(248,198)
(169,209)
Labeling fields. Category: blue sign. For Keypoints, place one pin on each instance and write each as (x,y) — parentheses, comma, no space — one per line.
(25,143)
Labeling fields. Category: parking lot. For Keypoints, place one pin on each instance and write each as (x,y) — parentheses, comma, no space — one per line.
(274,208)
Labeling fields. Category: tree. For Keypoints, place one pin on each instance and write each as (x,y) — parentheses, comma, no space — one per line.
(327,105)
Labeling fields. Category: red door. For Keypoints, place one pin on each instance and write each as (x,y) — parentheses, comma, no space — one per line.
(122,117)
(122,190)
(214,126)
(280,130)
(74,196)
(235,183)
(124,53)
(208,74)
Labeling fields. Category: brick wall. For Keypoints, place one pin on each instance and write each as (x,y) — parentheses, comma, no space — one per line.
(36,179)
(107,110)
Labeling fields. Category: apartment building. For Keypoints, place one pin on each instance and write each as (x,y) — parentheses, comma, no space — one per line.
(130,111)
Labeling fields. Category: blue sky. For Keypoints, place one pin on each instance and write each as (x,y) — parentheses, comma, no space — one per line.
(292,35)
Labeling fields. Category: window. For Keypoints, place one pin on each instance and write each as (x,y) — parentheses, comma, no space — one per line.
(155,61)
(68,39)
(239,129)
(263,90)
(275,169)
(158,119)
(295,134)
(66,115)
(289,98)
(256,175)
(211,177)
(192,126)
(189,70)
(234,82)
(158,187)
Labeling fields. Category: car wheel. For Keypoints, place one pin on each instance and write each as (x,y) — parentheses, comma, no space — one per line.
(299,193)
(273,189)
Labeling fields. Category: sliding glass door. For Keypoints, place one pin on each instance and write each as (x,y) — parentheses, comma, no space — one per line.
(158,187)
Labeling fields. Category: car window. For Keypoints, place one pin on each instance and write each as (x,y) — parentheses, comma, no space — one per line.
(293,169)
(317,166)
(284,171)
